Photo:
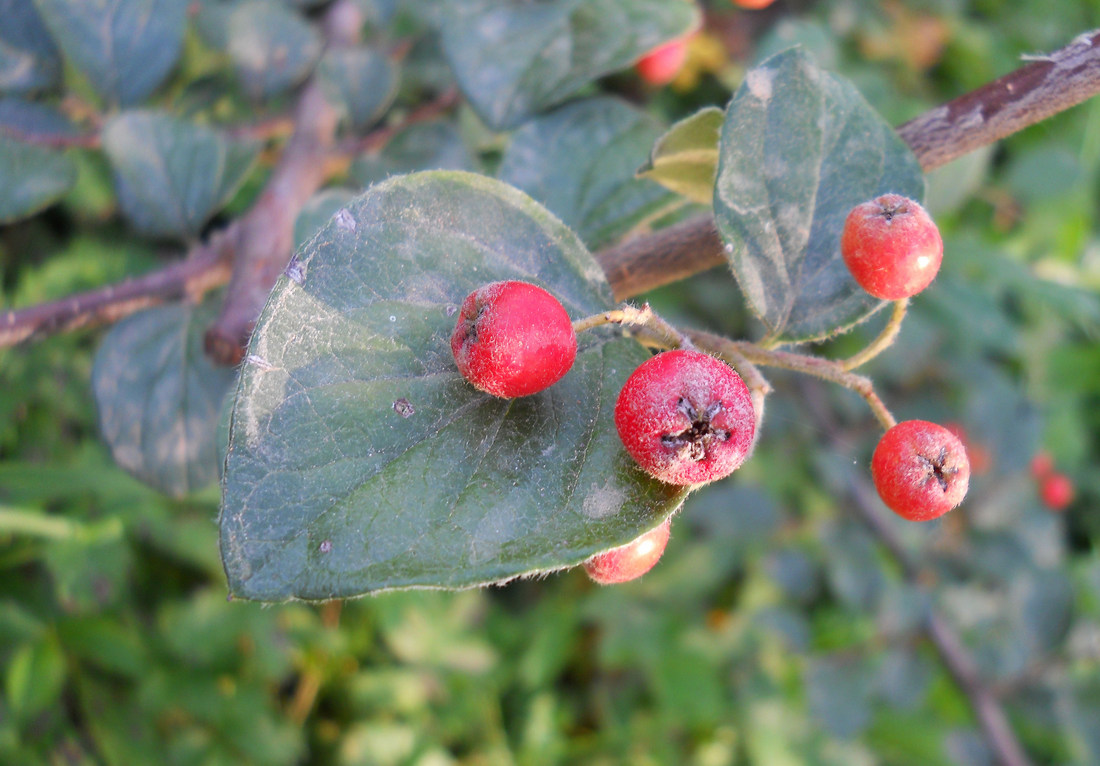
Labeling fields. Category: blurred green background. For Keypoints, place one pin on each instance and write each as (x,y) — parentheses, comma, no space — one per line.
(775,631)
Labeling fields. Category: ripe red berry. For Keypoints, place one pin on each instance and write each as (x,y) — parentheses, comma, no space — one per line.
(513,339)
(753,4)
(661,65)
(892,247)
(685,417)
(630,561)
(1056,490)
(1042,465)
(920,470)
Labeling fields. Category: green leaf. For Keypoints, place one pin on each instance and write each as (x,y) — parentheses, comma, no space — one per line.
(838,690)
(22,119)
(360,81)
(35,675)
(435,145)
(28,57)
(172,175)
(159,397)
(272,47)
(124,47)
(360,460)
(800,148)
(685,159)
(515,59)
(317,210)
(580,161)
(31,178)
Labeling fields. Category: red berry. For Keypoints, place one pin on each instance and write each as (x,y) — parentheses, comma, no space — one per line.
(630,561)
(892,247)
(753,4)
(1042,465)
(981,460)
(661,65)
(920,470)
(513,339)
(1056,491)
(685,417)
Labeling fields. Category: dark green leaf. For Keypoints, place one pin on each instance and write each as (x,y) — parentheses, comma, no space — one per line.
(360,459)
(272,47)
(1041,606)
(360,81)
(31,178)
(28,57)
(425,146)
(515,59)
(172,175)
(159,397)
(580,161)
(124,47)
(685,159)
(23,119)
(800,148)
(35,674)
(838,689)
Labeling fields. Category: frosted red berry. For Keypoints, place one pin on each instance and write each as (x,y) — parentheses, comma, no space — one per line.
(754,5)
(1056,490)
(892,247)
(661,65)
(685,417)
(1042,465)
(630,561)
(920,470)
(513,339)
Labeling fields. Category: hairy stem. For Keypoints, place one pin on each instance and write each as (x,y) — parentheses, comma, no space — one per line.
(882,342)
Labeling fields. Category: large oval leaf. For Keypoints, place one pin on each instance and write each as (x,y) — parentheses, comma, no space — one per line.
(359,459)
(800,148)
(29,59)
(159,397)
(31,178)
(580,161)
(514,59)
(171,174)
(124,47)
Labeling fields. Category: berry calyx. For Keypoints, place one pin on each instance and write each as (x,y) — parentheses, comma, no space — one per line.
(513,339)
(1056,490)
(630,561)
(661,65)
(685,417)
(892,247)
(920,470)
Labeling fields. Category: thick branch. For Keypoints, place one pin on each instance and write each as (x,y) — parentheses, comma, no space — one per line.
(1042,88)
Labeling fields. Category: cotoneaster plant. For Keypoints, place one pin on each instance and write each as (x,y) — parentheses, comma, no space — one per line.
(513,339)
(920,470)
(630,561)
(891,246)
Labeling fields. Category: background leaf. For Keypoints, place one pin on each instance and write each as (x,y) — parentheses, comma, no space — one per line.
(685,159)
(31,178)
(580,161)
(124,47)
(272,47)
(435,145)
(159,397)
(515,59)
(29,60)
(360,459)
(800,148)
(172,175)
(359,80)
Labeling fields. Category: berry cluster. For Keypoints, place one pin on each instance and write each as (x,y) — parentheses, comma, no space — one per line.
(1056,490)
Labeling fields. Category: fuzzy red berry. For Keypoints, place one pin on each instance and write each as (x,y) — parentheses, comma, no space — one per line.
(661,65)
(630,561)
(685,417)
(1042,465)
(920,470)
(513,339)
(892,247)
(753,4)
(1056,490)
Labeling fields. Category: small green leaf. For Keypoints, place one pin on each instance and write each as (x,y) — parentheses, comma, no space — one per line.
(159,397)
(316,212)
(31,178)
(515,59)
(800,148)
(685,159)
(360,459)
(29,60)
(35,675)
(272,47)
(580,161)
(361,82)
(172,175)
(435,145)
(22,119)
(124,47)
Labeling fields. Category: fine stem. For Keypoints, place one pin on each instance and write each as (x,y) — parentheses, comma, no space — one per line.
(645,317)
(882,342)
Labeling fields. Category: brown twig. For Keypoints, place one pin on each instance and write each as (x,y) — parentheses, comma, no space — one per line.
(1040,89)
